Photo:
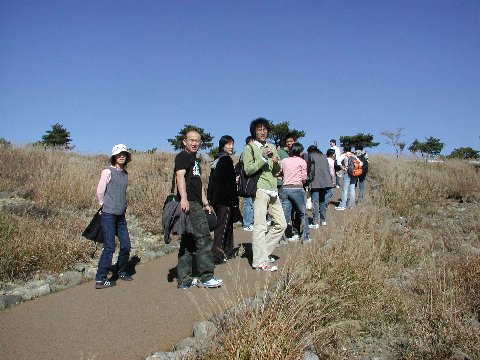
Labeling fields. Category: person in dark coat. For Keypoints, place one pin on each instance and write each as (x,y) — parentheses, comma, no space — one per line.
(321,177)
(222,195)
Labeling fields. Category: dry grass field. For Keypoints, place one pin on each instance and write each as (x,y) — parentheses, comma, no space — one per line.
(397,277)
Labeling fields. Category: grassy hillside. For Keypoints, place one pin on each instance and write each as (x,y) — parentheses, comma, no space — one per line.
(398,277)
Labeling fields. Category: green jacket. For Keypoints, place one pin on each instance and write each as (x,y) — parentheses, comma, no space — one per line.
(253,162)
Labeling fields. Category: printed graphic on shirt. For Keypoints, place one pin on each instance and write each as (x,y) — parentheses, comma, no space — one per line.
(196,169)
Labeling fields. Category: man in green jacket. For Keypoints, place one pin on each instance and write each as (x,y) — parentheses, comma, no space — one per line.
(263,157)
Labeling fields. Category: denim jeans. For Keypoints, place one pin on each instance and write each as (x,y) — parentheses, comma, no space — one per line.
(264,240)
(320,199)
(294,218)
(361,186)
(348,188)
(296,197)
(198,243)
(247,212)
(113,225)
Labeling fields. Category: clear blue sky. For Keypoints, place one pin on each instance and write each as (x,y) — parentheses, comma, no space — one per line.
(136,71)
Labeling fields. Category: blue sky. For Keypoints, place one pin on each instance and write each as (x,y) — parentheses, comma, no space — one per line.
(136,71)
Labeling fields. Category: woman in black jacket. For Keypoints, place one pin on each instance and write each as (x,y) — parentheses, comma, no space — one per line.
(222,195)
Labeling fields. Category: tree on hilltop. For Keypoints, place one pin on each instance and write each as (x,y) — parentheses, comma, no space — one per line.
(177,142)
(5,143)
(415,147)
(393,139)
(57,137)
(432,146)
(464,153)
(359,140)
(279,131)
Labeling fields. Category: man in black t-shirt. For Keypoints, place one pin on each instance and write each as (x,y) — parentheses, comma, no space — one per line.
(194,202)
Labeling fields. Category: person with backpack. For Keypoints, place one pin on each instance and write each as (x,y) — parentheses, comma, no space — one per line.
(222,195)
(363,157)
(352,169)
(262,158)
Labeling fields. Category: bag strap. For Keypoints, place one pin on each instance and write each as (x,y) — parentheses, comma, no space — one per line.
(172,189)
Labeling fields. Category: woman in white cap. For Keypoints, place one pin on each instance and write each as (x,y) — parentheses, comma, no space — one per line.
(112,197)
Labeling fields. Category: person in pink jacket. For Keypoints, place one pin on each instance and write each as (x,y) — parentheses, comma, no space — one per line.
(294,170)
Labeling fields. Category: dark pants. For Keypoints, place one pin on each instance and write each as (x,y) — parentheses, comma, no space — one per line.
(223,236)
(198,243)
(113,225)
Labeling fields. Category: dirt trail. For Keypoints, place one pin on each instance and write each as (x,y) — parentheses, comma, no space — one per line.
(132,319)
(128,321)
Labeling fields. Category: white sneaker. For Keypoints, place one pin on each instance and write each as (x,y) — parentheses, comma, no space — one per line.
(271,259)
(212,283)
(340,208)
(248,228)
(313,226)
(293,238)
(324,223)
(266,267)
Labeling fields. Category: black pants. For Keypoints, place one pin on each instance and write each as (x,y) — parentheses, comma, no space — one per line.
(223,236)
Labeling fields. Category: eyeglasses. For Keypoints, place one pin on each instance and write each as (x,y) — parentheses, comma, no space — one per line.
(194,141)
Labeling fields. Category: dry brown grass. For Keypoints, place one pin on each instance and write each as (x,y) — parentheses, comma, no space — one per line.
(373,286)
(55,198)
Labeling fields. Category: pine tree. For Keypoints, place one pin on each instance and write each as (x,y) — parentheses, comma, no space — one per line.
(58,137)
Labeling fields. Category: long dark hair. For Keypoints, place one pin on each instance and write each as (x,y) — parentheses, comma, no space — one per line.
(224,140)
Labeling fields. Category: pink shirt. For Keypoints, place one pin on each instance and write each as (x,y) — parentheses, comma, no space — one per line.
(294,170)
(105,178)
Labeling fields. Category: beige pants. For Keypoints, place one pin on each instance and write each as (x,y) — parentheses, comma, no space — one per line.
(264,241)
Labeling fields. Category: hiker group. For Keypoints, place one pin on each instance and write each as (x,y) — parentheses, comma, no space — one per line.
(275,185)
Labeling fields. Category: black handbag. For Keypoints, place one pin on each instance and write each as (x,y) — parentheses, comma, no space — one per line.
(94,230)
(247,185)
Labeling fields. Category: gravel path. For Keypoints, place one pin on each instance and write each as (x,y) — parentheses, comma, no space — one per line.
(128,321)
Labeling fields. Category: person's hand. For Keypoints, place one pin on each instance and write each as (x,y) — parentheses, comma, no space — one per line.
(208,208)
(267,152)
(276,159)
(184,205)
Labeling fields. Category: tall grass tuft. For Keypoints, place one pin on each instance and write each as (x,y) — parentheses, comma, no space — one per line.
(395,278)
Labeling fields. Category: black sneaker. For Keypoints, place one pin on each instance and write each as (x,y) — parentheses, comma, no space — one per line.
(223,260)
(125,277)
(104,284)
(187,284)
